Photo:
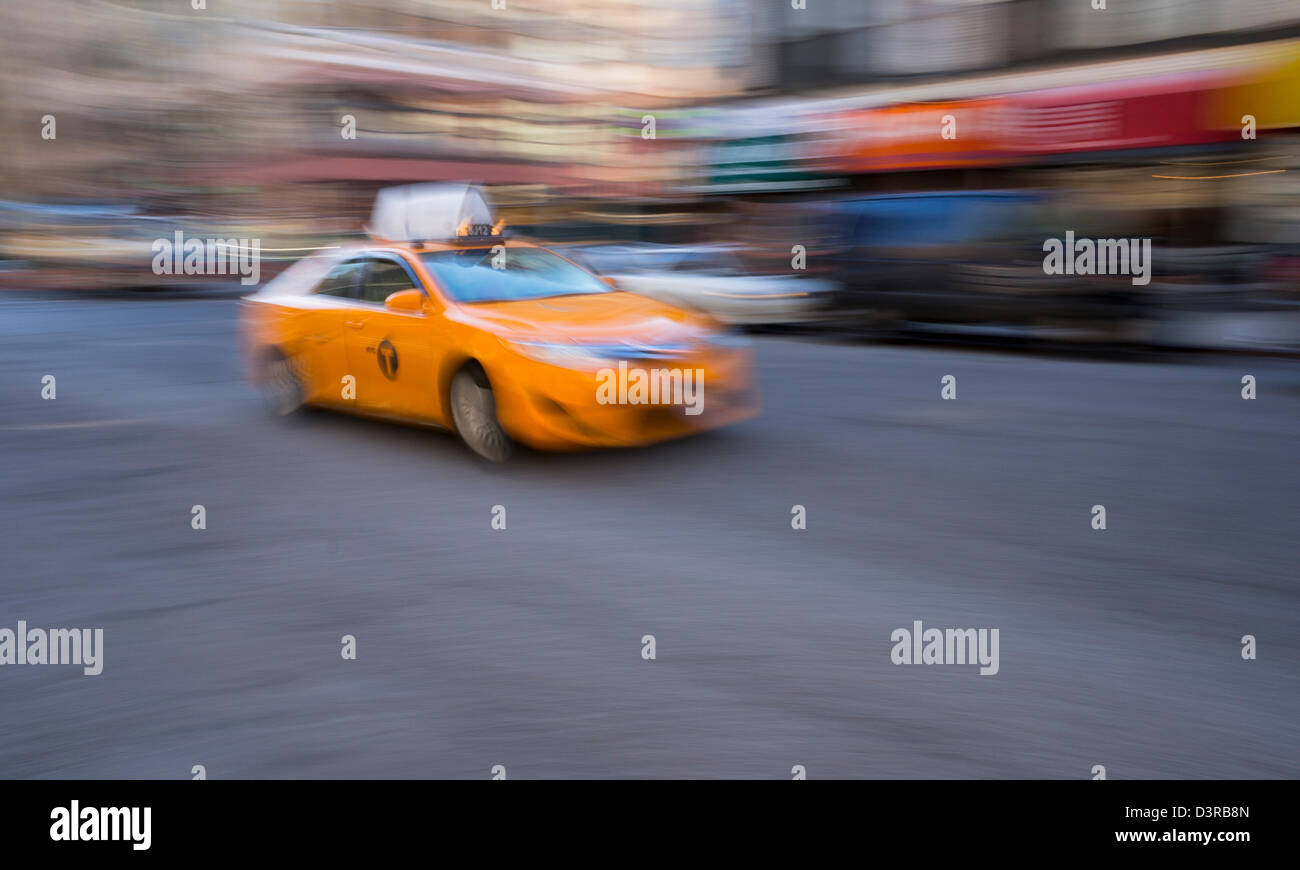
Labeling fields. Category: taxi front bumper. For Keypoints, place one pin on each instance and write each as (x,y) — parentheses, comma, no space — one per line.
(555,408)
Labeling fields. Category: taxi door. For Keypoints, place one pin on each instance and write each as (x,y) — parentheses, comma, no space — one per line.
(322,337)
(391,352)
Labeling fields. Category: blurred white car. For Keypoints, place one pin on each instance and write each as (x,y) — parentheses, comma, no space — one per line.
(711,279)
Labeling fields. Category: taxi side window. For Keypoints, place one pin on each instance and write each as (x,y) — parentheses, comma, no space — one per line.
(343,280)
(383,279)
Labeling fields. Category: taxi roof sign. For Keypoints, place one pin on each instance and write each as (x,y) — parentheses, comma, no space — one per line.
(444,212)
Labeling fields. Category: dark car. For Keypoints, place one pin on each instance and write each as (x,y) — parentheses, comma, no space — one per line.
(958,259)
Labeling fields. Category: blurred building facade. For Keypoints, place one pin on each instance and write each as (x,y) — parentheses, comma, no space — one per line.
(284,116)
(831,43)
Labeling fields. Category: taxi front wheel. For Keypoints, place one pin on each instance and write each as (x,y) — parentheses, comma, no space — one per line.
(474,411)
(281,391)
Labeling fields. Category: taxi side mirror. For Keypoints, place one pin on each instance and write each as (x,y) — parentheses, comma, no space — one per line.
(406,301)
(610,281)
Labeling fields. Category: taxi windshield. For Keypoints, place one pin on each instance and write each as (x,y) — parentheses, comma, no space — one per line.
(468,275)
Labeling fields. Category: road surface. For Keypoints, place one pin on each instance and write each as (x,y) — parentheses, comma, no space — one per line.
(523,647)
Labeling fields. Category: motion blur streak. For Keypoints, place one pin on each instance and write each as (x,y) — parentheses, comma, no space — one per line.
(1087,218)
(478,647)
(915,155)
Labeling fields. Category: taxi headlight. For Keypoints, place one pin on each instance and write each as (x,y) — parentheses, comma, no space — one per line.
(569,356)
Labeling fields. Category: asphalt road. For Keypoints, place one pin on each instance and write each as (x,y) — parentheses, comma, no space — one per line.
(479,647)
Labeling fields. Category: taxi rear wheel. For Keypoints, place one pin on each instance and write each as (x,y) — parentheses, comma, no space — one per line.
(282,393)
(474,411)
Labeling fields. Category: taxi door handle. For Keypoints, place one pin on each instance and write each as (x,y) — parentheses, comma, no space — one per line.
(354,324)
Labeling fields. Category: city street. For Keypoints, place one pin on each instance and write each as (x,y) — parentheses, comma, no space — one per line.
(523,647)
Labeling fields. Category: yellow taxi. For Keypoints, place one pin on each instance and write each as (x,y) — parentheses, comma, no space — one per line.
(439,320)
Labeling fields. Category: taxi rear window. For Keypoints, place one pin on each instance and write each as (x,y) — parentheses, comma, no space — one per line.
(469,274)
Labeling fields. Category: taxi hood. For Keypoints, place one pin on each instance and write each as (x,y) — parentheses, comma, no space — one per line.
(588,317)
